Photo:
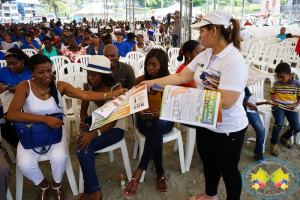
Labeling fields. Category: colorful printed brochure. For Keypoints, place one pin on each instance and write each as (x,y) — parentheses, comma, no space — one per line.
(133,101)
(255,75)
(191,106)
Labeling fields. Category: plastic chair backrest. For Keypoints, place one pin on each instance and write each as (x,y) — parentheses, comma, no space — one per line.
(158,47)
(69,69)
(135,55)
(255,51)
(84,59)
(3,63)
(133,63)
(76,114)
(59,61)
(257,88)
(30,52)
(173,51)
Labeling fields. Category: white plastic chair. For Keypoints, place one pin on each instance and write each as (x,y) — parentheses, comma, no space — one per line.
(139,138)
(156,38)
(3,51)
(17,43)
(30,52)
(3,63)
(133,63)
(84,59)
(121,144)
(71,68)
(142,64)
(159,47)
(173,51)
(8,149)
(135,55)
(44,157)
(8,195)
(174,64)
(189,144)
(59,61)
(76,80)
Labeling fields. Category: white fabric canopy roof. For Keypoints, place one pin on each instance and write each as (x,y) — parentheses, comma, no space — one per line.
(93,9)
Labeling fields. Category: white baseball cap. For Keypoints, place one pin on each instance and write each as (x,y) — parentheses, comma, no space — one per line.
(99,64)
(217,17)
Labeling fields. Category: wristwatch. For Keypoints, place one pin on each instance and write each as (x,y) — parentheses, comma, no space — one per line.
(98,133)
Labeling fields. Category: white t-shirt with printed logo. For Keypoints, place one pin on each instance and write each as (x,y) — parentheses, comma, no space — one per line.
(228,71)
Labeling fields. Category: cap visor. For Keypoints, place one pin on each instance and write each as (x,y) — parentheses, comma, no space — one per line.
(199,24)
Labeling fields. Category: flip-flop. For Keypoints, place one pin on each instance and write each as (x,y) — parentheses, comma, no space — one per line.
(134,182)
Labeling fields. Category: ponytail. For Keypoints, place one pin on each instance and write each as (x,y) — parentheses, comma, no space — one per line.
(53,92)
(235,33)
(189,46)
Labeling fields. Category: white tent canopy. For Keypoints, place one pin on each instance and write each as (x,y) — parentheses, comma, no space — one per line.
(93,9)
(172,9)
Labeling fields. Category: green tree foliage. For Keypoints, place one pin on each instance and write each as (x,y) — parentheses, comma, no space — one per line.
(197,3)
(154,4)
(54,5)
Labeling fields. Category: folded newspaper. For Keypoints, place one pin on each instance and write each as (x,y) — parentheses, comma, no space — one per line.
(191,106)
(133,101)
(6,98)
(255,75)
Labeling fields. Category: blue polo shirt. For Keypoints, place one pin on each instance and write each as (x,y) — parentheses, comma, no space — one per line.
(123,48)
(282,37)
(151,32)
(8,77)
(131,44)
(2,55)
(25,45)
(78,40)
(57,31)
(15,39)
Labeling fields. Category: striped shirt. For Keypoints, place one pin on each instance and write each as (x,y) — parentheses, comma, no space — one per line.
(287,93)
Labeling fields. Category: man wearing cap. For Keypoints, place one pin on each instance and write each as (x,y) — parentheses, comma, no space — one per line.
(122,72)
(96,48)
(175,35)
(131,40)
(123,47)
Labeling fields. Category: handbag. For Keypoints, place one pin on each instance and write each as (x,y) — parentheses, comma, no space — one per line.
(33,134)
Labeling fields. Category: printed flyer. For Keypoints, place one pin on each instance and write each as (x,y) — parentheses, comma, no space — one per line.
(133,101)
(191,106)
(255,75)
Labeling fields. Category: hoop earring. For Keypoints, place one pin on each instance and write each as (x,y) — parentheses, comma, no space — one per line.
(189,58)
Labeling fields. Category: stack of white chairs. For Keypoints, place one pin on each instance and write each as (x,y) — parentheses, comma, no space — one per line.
(156,38)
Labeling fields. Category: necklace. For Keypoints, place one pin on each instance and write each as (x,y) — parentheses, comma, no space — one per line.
(44,94)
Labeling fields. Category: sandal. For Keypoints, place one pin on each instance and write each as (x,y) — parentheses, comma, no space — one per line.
(134,182)
(44,190)
(162,179)
(59,193)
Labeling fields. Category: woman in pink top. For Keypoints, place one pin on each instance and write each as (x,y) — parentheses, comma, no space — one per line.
(189,51)
(73,50)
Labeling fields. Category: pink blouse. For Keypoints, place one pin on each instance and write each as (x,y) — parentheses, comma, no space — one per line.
(72,54)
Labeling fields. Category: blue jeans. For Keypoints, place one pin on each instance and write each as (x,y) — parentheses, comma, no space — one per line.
(259,128)
(175,40)
(87,160)
(153,129)
(292,118)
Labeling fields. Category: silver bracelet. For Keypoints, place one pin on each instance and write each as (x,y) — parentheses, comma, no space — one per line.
(105,96)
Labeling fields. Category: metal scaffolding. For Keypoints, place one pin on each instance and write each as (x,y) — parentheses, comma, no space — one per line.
(186,17)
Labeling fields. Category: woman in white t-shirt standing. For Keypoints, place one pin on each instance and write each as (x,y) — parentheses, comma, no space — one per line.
(219,149)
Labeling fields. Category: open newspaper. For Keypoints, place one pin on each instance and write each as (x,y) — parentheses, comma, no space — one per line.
(255,75)
(133,101)
(191,106)
(6,98)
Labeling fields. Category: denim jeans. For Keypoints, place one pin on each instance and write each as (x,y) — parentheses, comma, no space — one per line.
(292,118)
(87,160)
(259,128)
(175,40)
(153,129)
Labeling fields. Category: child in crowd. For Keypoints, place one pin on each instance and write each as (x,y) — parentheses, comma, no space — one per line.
(285,93)
(250,104)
